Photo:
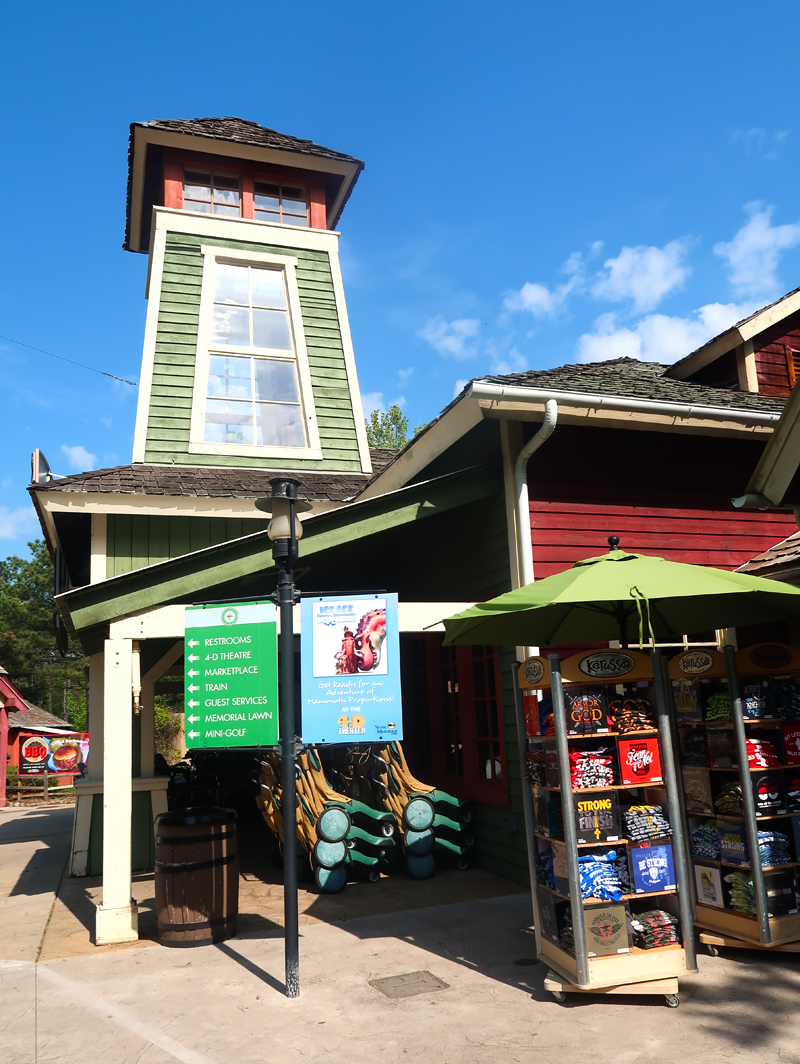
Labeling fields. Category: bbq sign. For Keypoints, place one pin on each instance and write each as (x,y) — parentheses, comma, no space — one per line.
(33,755)
(350,654)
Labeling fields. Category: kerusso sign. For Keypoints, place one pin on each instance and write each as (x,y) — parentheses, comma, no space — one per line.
(231,675)
(607,664)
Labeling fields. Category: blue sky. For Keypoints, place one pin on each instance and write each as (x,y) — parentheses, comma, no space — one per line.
(544,184)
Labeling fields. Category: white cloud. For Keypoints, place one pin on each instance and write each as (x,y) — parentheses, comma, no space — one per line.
(79,458)
(658,337)
(403,375)
(543,302)
(643,274)
(460,385)
(752,256)
(451,337)
(372,401)
(16,523)
(759,142)
(375,401)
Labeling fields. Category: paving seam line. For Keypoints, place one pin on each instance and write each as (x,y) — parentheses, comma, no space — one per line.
(107,1011)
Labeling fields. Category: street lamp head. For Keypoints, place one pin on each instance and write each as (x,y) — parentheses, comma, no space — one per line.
(280,504)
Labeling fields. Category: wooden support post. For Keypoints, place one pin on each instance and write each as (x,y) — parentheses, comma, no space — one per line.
(3,754)
(117,917)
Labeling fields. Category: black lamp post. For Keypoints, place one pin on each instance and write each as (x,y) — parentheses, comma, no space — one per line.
(284,530)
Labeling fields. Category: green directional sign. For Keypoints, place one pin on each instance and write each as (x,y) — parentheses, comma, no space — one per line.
(231,675)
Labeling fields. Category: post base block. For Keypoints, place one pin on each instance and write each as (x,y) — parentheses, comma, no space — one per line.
(114,925)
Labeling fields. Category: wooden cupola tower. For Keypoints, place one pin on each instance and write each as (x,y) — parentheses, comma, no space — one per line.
(248,361)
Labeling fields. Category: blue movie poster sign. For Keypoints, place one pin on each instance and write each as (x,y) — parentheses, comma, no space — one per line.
(350,653)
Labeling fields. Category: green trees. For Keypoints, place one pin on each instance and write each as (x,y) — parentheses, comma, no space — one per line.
(388,429)
(27,644)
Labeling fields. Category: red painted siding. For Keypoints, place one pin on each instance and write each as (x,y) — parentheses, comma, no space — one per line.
(773,354)
(562,533)
(661,493)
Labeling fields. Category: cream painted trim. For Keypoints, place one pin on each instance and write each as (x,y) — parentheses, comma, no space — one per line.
(450,428)
(232,150)
(750,367)
(629,419)
(99,548)
(350,363)
(511,445)
(149,350)
(747,330)
(168,622)
(93,502)
(217,227)
(211,256)
(138,783)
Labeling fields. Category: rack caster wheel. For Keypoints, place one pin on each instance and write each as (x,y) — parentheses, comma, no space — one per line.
(672,1001)
(712,950)
(559,997)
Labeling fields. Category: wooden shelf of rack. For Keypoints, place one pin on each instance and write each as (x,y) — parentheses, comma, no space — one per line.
(594,735)
(606,901)
(745,867)
(744,927)
(621,973)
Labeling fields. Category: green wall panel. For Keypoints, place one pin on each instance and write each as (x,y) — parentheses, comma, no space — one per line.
(136,541)
(176,341)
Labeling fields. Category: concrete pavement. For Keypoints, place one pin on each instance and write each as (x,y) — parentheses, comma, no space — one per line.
(224,1003)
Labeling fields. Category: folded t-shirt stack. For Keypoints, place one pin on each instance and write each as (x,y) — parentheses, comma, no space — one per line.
(534,767)
(719,706)
(566,936)
(705,841)
(544,869)
(623,873)
(634,714)
(643,822)
(762,754)
(696,750)
(591,768)
(654,928)
(599,877)
(774,848)
(729,800)
(743,897)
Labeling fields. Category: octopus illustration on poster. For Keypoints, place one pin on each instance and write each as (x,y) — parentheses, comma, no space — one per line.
(361,652)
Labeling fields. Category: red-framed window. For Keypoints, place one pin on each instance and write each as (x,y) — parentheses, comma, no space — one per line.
(465,713)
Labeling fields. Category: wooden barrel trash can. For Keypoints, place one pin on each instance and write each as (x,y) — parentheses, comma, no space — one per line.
(197,876)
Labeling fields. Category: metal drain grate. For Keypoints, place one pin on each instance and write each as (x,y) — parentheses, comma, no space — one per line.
(408,985)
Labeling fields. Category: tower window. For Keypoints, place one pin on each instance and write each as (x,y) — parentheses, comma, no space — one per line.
(286,204)
(211,193)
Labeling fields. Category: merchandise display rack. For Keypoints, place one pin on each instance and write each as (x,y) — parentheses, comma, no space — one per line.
(608,962)
(755,679)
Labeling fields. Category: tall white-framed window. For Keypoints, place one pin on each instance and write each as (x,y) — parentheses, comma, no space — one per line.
(252,389)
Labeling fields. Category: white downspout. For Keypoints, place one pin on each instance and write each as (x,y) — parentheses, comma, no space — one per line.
(523,512)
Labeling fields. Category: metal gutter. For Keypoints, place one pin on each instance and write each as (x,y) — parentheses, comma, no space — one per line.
(500,392)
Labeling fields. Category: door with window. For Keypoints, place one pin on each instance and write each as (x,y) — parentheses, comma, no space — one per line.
(466,721)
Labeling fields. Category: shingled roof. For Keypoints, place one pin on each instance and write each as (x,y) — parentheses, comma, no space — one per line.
(34,719)
(778,562)
(241,131)
(211,483)
(632,379)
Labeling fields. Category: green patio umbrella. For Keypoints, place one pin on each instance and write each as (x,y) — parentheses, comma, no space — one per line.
(623,596)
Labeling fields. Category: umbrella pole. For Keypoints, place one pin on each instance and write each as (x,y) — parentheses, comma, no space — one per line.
(527,799)
(568,815)
(751,824)
(673,804)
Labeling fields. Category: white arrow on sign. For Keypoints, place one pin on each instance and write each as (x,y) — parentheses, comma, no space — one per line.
(194,657)
(193,687)
(194,642)
(193,720)
(194,672)
(194,734)
(192,704)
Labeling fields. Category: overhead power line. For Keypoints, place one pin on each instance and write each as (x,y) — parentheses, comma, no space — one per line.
(71,361)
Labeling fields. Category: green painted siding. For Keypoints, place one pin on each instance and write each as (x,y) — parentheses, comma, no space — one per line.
(176,344)
(136,541)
